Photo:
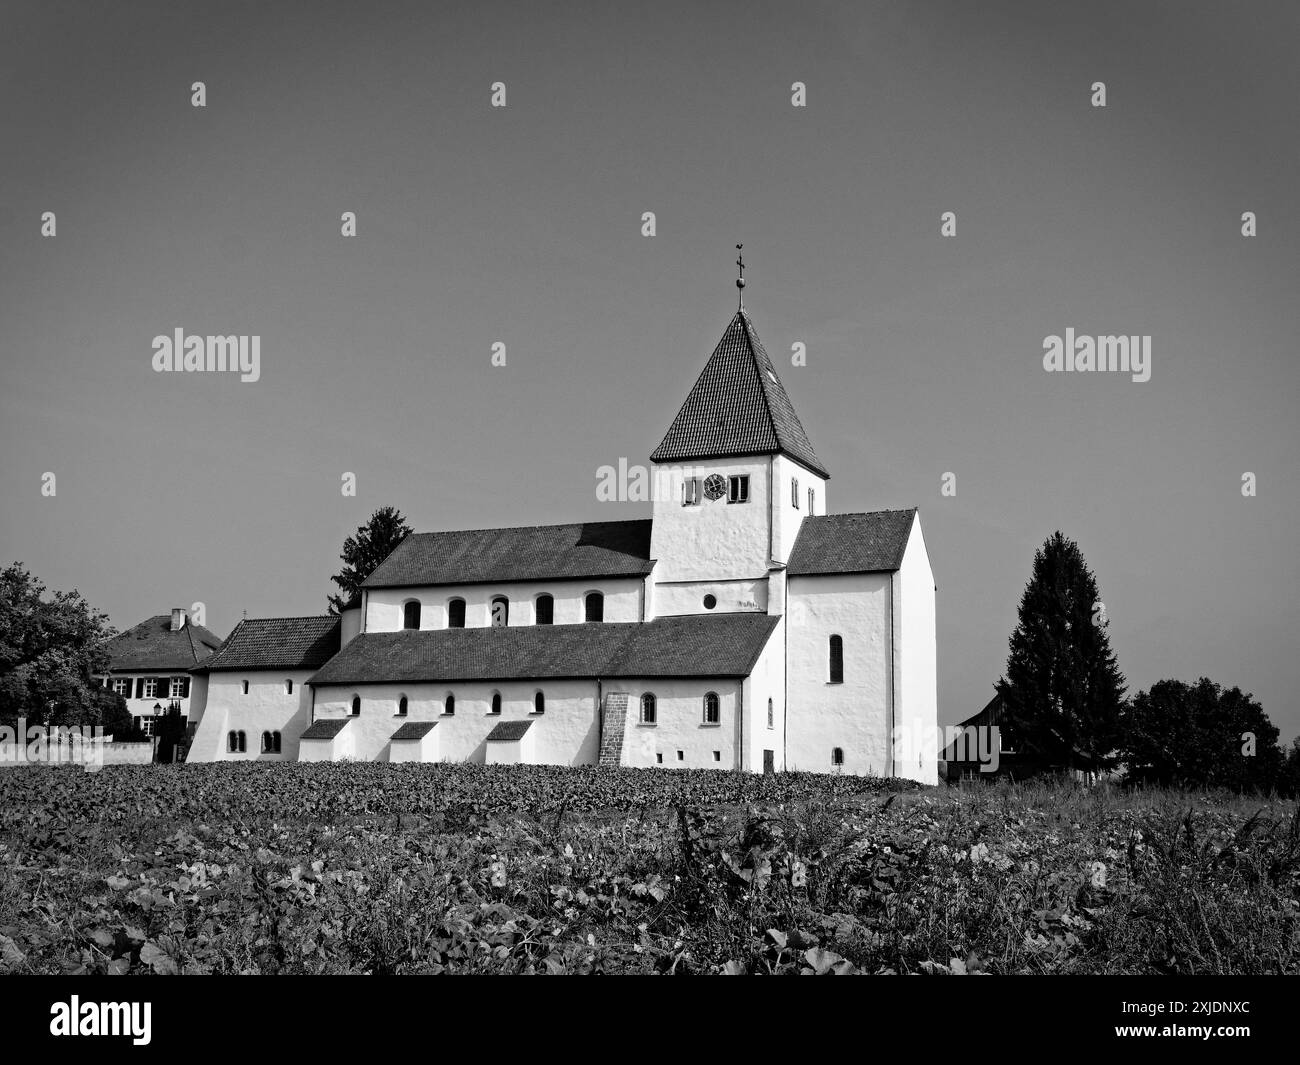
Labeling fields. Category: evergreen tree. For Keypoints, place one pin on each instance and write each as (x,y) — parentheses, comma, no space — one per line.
(363,552)
(1063,691)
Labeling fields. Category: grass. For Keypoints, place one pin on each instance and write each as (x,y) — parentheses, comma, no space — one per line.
(452,869)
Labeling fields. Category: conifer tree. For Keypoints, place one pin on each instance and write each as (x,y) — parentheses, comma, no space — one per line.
(363,552)
(1063,692)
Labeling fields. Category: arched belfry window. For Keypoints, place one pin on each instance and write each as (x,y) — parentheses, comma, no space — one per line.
(595,606)
(411,614)
(837,660)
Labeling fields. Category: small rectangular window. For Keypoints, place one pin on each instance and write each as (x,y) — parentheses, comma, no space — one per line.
(794,492)
(717,756)
(811,497)
(659,757)
(681,756)
(738,488)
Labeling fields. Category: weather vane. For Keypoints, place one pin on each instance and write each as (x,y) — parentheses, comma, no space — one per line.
(740,281)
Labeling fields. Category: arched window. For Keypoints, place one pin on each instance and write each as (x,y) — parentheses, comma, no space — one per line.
(648,708)
(712,709)
(545,610)
(837,660)
(500,611)
(275,743)
(595,605)
(288,687)
(496,702)
(456,614)
(243,742)
(837,756)
(401,706)
(243,687)
(411,614)
(356,706)
(232,742)
(771,716)
(794,492)
(539,703)
(811,497)
(449,705)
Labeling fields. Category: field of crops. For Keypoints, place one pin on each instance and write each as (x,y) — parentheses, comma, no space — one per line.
(454,868)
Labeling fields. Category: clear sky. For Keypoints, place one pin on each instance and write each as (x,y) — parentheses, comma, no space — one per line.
(523,225)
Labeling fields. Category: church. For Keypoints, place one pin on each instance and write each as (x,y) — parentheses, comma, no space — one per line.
(743,626)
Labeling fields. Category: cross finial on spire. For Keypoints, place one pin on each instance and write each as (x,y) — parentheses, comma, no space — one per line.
(740,281)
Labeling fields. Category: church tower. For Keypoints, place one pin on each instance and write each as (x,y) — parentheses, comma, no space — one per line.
(736,475)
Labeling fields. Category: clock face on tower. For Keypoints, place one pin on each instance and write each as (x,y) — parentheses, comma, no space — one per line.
(715,487)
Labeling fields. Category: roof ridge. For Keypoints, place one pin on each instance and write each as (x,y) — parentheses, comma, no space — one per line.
(548,525)
(759,370)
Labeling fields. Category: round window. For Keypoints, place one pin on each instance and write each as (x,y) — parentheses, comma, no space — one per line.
(710,602)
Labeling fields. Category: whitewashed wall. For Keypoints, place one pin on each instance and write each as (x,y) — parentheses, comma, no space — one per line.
(679,723)
(766,681)
(266,707)
(853,715)
(715,540)
(733,597)
(623,602)
(566,734)
(916,746)
(786,519)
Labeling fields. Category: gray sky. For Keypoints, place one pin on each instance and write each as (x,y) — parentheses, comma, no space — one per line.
(522,225)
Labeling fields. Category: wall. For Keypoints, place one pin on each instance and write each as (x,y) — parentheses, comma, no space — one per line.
(680,722)
(567,734)
(917,748)
(766,681)
(623,598)
(786,519)
(715,540)
(513,752)
(743,596)
(853,715)
(266,707)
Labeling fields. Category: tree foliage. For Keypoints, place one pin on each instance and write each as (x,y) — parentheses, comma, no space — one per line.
(1200,735)
(1063,691)
(363,552)
(51,645)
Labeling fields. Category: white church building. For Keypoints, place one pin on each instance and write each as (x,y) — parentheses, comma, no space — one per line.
(742,626)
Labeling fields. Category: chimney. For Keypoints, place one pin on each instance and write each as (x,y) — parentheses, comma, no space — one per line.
(178,618)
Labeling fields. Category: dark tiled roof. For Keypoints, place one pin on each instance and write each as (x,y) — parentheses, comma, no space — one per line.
(413,730)
(532,553)
(738,406)
(851,543)
(695,646)
(326,728)
(277,643)
(153,645)
(508,730)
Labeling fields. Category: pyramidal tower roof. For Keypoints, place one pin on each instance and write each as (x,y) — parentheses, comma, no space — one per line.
(738,406)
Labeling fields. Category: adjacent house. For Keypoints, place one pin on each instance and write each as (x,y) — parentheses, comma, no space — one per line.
(149,665)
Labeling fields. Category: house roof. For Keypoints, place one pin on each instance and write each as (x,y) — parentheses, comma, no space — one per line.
(530,553)
(326,728)
(414,730)
(737,406)
(154,645)
(693,646)
(508,730)
(276,643)
(873,542)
